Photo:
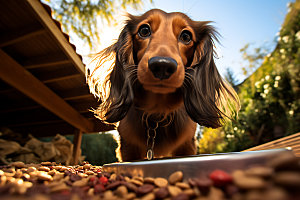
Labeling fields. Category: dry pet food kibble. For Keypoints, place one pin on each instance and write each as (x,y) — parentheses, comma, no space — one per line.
(48,180)
(175,177)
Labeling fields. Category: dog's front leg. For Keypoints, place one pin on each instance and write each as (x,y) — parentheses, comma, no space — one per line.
(187,148)
(130,152)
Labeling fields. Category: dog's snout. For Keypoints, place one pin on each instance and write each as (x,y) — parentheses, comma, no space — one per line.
(162,67)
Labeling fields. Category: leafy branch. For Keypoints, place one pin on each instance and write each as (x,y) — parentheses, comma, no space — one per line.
(81,16)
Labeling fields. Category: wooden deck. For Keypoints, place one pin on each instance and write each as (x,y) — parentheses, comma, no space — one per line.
(43,89)
(292,141)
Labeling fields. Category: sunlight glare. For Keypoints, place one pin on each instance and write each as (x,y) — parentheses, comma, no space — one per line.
(108,35)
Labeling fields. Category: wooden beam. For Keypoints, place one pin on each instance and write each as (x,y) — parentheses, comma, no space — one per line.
(57,74)
(20,109)
(18,36)
(80,106)
(47,64)
(45,61)
(31,62)
(61,77)
(48,22)
(38,116)
(15,75)
(75,93)
(76,147)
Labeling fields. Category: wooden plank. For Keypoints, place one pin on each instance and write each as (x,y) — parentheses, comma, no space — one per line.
(76,93)
(38,116)
(21,35)
(288,143)
(276,143)
(287,138)
(15,75)
(81,107)
(52,59)
(76,147)
(48,63)
(57,74)
(60,77)
(292,141)
(57,34)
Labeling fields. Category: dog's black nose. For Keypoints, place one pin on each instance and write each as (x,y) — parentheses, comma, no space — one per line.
(162,67)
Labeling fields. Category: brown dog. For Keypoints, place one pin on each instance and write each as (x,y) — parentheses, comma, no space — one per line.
(162,82)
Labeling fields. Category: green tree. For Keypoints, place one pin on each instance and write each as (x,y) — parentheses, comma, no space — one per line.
(99,149)
(270,97)
(212,141)
(80,16)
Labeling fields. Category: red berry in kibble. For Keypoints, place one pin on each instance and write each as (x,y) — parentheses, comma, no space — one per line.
(220,178)
(259,182)
(103,180)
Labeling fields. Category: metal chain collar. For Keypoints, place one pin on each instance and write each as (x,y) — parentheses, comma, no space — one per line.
(151,139)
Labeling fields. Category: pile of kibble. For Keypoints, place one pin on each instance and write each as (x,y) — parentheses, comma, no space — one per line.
(279,179)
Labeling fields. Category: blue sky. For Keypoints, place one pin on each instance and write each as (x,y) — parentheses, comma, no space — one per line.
(238,21)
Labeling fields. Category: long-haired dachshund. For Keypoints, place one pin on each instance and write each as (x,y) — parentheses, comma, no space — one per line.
(161,83)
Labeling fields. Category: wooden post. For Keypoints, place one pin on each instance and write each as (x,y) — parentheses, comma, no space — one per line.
(76,146)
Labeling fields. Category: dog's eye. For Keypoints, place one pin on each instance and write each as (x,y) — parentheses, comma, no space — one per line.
(185,37)
(144,31)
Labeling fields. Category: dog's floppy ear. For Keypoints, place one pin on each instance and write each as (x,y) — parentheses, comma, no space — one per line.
(208,99)
(108,79)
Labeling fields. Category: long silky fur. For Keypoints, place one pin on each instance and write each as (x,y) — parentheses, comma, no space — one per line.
(115,90)
(208,99)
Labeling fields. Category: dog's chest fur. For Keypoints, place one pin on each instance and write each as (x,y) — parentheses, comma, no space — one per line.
(169,134)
